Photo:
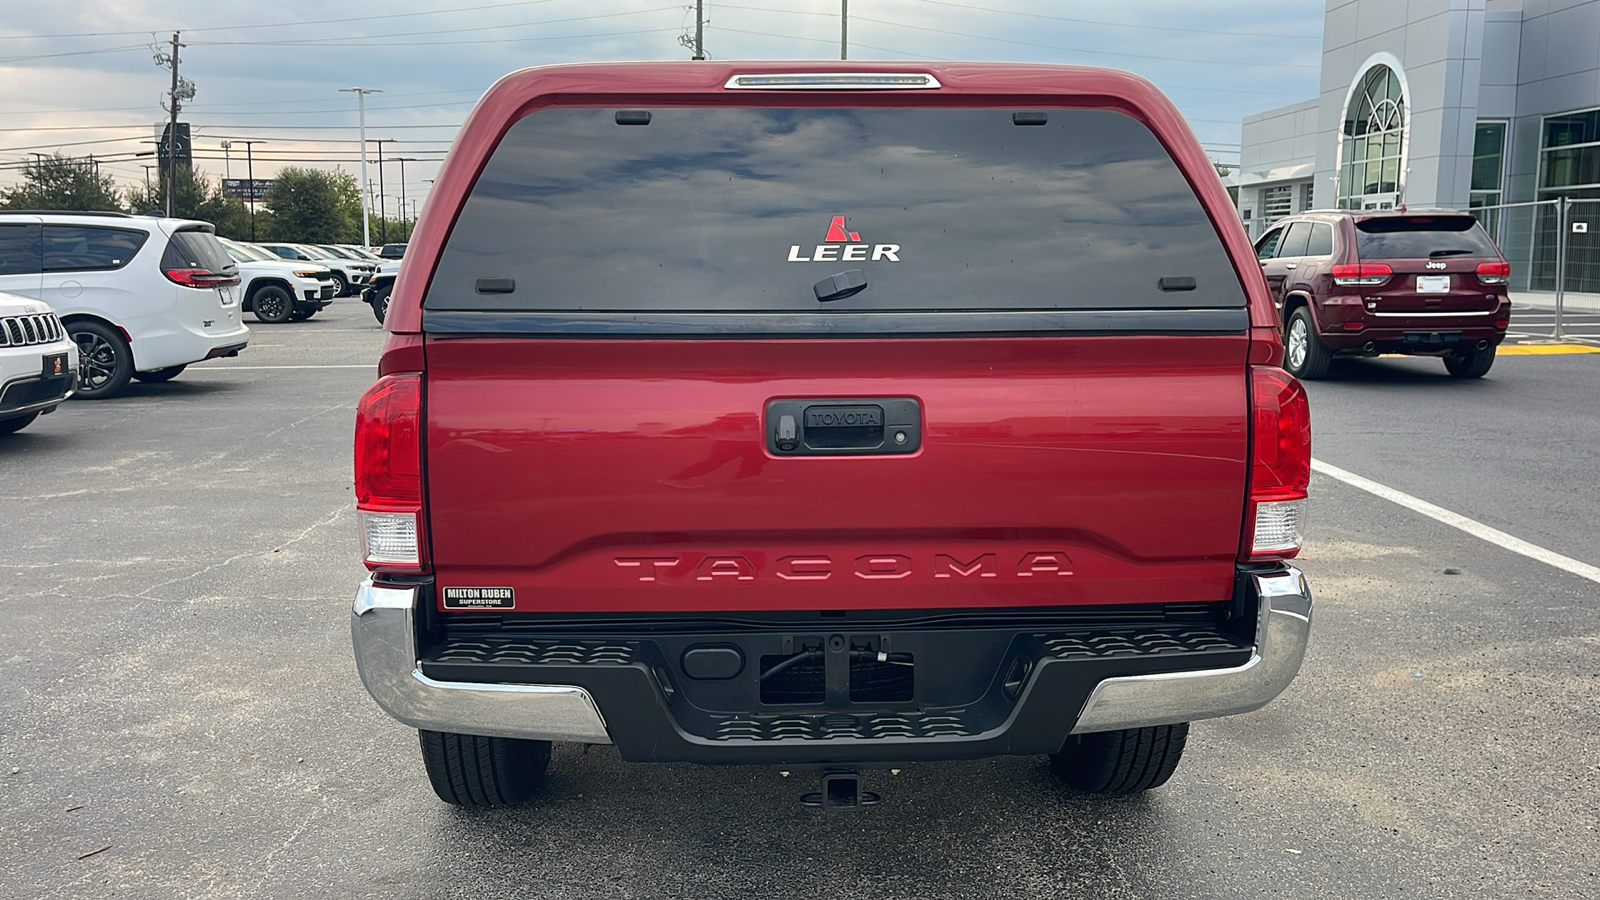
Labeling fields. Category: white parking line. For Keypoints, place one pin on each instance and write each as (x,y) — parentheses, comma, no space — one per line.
(1456,520)
(257,368)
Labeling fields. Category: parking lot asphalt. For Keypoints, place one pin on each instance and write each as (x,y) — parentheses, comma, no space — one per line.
(177,691)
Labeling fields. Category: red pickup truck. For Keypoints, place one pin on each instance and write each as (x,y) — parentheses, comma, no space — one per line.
(830,417)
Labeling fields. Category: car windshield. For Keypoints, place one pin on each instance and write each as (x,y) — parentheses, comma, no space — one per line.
(1422,237)
(245,252)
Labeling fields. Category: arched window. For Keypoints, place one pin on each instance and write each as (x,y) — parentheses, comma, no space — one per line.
(1374,138)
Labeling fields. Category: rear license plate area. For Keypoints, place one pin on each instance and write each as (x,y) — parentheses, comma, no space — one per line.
(1433,284)
(1430,338)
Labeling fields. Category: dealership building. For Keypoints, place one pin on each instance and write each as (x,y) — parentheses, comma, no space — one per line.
(1442,103)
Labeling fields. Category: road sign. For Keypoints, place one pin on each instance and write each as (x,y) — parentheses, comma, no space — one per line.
(247,188)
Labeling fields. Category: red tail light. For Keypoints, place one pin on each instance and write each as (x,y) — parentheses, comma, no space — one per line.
(1494,273)
(199,278)
(1280,465)
(1360,274)
(388,461)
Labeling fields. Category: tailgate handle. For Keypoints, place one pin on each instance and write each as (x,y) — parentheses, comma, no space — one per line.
(840,427)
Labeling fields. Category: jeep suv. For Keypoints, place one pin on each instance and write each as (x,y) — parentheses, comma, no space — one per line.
(785,414)
(1418,282)
(38,362)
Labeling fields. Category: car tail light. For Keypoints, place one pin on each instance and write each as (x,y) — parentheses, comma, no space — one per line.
(388,462)
(1280,465)
(1494,273)
(1360,274)
(200,278)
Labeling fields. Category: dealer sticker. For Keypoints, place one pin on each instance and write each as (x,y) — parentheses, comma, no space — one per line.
(479,598)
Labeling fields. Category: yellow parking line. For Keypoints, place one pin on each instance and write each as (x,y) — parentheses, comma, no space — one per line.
(1544,349)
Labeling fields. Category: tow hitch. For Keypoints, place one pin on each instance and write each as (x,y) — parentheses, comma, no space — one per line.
(841,791)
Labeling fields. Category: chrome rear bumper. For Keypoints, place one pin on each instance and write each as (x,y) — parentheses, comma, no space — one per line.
(1283,628)
(384,635)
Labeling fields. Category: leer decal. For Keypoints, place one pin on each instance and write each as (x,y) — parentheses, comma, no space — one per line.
(843,245)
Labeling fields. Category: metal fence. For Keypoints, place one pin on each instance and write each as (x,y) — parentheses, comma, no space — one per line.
(1553,245)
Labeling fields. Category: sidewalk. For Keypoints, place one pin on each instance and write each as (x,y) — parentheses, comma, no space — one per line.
(1570,302)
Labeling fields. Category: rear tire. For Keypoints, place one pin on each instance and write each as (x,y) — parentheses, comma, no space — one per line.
(272,305)
(106,360)
(17,423)
(1303,354)
(470,770)
(380,303)
(159,375)
(1475,364)
(1121,762)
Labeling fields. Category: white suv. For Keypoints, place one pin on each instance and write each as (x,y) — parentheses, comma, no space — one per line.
(142,297)
(38,364)
(277,289)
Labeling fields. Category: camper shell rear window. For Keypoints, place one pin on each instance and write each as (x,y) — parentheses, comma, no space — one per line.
(712,209)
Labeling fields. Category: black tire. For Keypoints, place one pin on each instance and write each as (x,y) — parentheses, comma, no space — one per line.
(469,770)
(272,304)
(341,287)
(1474,364)
(1121,762)
(159,375)
(380,302)
(16,423)
(105,359)
(1303,354)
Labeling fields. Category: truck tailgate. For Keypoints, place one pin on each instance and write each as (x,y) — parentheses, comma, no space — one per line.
(635,475)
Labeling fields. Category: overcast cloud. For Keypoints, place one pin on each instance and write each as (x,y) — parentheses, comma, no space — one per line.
(78,76)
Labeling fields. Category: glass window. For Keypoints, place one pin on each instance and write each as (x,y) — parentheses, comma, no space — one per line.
(1488,155)
(1374,129)
(1572,128)
(195,249)
(71,248)
(1570,166)
(1422,237)
(1268,243)
(1296,241)
(1321,242)
(19,249)
(751,209)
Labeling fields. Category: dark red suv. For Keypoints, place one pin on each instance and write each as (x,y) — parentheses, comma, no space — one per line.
(1420,282)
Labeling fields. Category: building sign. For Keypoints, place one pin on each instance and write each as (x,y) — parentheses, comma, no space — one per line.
(247,188)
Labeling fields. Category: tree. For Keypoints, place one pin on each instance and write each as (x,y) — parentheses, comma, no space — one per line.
(63,182)
(314,206)
(196,197)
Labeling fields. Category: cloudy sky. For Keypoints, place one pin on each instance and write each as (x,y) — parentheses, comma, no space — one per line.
(79,77)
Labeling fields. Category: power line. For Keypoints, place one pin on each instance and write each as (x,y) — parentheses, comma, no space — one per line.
(431,12)
(375,37)
(1209,62)
(1307,37)
(831,41)
(358,42)
(13,59)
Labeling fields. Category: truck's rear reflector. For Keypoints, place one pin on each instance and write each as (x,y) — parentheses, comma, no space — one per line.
(1280,467)
(1366,274)
(388,483)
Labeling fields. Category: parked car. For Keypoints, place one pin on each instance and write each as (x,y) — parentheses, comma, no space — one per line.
(382,285)
(1361,283)
(392,251)
(142,297)
(941,421)
(276,289)
(38,361)
(348,274)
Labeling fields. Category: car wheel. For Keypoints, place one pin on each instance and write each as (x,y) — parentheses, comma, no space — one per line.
(1475,364)
(17,423)
(272,305)
(1121,762)
(159,375)
(471,770)
(380,303)
(106,360)
(340,286)
(1303,354)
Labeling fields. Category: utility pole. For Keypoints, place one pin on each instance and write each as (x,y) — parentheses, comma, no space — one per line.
(361,107)
(402,160)
(699,29)
(383,215)
(844,29)
(250,174)
(227,159)
(180,91)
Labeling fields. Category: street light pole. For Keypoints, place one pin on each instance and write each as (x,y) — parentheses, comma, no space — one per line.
(844,29)
(361,108)
(227,159)
(402,160)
